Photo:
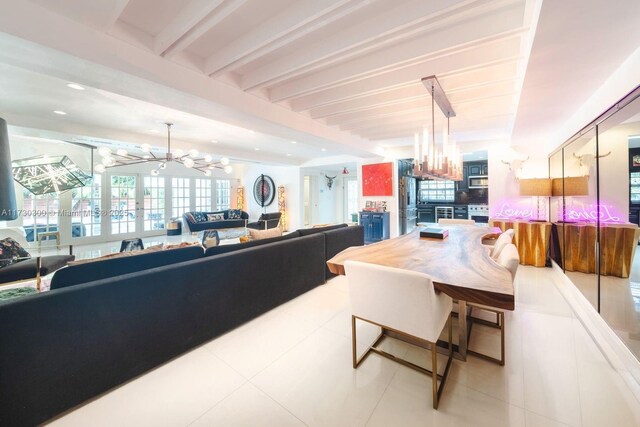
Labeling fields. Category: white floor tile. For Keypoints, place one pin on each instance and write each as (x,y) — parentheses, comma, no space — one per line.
(172,395)
(316,381)
(248,407)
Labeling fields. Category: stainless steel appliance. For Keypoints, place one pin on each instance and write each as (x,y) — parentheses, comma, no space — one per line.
(479,213)
(479,181)
(408,209)
(444,212)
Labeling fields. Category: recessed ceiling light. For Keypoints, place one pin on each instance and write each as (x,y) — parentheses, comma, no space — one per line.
(324,149)
(215,141)
(251,131)
(153,130)
(294,142)
(75,86)
(62,113)
(257,149)
(288,154)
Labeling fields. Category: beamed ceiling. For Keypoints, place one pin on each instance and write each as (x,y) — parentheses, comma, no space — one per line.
(353,65)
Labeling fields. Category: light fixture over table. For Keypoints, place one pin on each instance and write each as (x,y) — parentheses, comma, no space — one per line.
(190,159)
(431,160)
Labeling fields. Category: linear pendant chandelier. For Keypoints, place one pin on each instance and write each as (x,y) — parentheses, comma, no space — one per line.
(190,159)
(432,160)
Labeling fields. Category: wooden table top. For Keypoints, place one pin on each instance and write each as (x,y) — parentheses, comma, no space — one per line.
(459,265)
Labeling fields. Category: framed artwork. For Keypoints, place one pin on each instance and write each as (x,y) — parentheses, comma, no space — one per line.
(377,179)
(636,161)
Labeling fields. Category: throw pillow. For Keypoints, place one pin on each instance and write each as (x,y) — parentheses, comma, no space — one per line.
(10,251)
(200,217)
(215,217)
(235,214)
(190,217)
(264,234)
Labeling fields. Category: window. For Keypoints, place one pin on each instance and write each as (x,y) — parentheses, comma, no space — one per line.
(86,209)
(223,194)
(123,204)
(181,196)
(203,195)
(437,191)
(40,214)
(154,201)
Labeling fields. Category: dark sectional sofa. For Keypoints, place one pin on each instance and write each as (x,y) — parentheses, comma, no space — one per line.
(194,226)
(84,337)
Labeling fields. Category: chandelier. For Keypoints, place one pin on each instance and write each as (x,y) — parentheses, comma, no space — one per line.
(190,159)
(432,160)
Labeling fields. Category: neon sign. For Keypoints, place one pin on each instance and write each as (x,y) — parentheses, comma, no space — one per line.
(507,211)
(607,213)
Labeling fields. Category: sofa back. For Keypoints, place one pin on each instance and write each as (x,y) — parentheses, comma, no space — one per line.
(223,249)
(308,231)
(339,239)
(72,344)
(111,267)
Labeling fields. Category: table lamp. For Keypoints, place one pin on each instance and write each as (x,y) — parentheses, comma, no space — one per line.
(537,188)
(573,186)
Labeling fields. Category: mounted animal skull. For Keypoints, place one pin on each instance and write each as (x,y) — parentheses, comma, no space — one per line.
(330,180)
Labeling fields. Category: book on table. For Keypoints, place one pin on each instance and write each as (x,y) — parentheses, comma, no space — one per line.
(434,233)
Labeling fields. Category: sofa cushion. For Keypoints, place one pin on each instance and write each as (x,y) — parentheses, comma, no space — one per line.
(199,217)
(264,234)
(112,267)
(308,231)
(235,214)
(214,217)
(223,249)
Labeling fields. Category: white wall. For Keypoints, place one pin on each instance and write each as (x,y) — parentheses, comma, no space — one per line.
(290,177)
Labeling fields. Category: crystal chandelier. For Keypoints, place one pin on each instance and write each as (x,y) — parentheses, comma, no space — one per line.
(190,159)
(432,160)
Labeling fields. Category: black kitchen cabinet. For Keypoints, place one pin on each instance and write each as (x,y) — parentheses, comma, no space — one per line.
(475,169)
(376,226)
(460,212)
(464,184)
(427,214)
(485,168)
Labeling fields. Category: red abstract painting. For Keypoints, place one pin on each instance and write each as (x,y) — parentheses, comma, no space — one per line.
(377,179)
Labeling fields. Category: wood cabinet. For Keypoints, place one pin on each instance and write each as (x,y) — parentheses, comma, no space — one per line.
(531,239)
(376,226)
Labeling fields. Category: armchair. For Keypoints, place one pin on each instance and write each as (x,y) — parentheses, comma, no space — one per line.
(266,221)
(404,302)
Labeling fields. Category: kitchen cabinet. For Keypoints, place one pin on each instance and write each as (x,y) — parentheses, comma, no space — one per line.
(475,169)
(485,168)
(460,212)
(464,184)
(427,214)
(376,226)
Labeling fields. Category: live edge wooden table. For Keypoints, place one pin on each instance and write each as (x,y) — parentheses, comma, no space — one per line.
(460,266)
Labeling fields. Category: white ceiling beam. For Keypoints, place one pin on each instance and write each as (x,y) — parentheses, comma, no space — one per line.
(484,75)
(409,130)
(414,92)
(194,20)
(444,40)
(298,20)
(401,20)
(492,53)
(113,15)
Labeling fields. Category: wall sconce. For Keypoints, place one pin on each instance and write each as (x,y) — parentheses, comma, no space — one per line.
(240,198)
(282,208)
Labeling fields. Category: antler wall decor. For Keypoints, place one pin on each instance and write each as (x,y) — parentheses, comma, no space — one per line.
(330,180)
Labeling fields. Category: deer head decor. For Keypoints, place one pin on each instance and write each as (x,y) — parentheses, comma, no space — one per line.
(330,180)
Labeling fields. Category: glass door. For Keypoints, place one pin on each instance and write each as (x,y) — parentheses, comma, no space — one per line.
(123,205)
(351,199)
(154,202)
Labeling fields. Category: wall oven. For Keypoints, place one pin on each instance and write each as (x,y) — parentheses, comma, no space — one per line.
(479,181)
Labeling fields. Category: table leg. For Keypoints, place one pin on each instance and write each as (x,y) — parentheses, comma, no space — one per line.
(38,268)
(462,329)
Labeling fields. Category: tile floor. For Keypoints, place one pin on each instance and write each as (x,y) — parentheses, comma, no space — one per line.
(292,367)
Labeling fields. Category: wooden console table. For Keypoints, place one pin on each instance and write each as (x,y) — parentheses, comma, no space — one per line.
(531,238)
(618,243)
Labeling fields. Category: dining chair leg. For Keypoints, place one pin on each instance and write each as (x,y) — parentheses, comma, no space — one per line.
(354,353)
(501,320)
(500,324)
(434,376)
(38,275)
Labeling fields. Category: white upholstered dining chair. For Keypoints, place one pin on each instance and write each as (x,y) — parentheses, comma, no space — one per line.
(503,240)
(405,303)
(509,259)
(456,221)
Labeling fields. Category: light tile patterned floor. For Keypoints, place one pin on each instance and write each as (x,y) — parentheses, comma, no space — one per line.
(292,367)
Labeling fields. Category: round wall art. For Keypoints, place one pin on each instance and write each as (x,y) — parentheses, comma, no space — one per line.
(264,190)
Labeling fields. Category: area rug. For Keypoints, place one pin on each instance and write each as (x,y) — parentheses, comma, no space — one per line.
(15,293)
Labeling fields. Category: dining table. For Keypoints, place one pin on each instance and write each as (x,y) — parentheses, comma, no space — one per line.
(459,265)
